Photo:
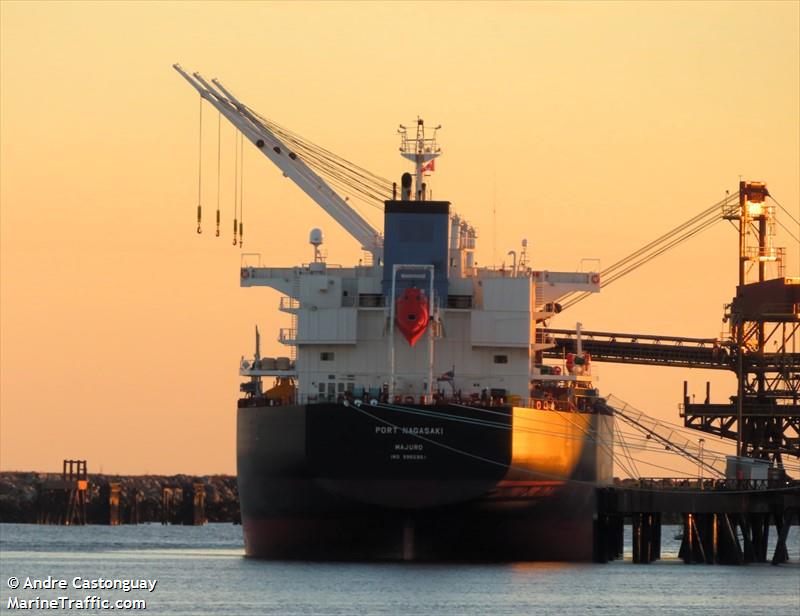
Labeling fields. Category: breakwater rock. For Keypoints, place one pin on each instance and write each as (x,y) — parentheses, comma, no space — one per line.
(140,496)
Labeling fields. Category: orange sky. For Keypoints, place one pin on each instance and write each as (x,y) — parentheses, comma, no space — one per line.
(592,127)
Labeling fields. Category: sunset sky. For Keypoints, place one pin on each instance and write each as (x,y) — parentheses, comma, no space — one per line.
(589,128)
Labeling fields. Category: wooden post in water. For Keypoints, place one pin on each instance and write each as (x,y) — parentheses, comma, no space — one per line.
(63,501)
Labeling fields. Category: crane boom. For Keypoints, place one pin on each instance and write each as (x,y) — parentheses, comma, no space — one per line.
(287,161)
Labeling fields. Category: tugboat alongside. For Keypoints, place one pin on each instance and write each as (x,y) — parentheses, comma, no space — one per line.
(413,418)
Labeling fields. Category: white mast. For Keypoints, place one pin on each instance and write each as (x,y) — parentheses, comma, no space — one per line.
(287,161)
(419,150)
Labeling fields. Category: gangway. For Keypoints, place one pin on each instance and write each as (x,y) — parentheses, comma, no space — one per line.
(665,435)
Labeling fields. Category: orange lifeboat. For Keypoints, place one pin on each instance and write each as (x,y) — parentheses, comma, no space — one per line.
(412,314)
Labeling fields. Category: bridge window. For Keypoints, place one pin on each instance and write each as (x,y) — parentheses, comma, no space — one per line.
(501,359)
(327,355)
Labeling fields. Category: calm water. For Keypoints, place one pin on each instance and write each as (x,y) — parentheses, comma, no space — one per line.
(200,570)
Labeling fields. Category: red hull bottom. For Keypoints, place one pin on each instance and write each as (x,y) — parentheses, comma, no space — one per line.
(392,536)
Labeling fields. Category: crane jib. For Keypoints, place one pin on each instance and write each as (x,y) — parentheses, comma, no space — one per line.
(290,164)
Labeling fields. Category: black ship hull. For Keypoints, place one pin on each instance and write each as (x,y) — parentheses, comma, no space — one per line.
(413,482)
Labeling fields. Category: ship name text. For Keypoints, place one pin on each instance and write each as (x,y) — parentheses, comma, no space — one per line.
(413,430)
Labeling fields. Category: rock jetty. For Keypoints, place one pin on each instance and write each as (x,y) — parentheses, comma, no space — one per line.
(140,496)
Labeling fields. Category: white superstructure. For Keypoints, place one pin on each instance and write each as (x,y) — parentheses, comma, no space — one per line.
(483,338)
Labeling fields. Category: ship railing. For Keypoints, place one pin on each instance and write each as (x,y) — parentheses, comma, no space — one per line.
(503,272)
(288,304)
(765,253)
(322,266)
(707,484)
(287,335)
(258,401)
(547,405)
(367,394)
(257,271)
(250,259)
(378,300)
(274,366)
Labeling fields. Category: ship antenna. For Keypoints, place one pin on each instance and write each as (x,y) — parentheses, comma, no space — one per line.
(421,149)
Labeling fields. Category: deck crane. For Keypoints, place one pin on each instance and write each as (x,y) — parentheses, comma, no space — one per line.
(289,162)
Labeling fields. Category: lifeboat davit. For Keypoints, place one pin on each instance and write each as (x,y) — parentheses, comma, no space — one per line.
(412,314)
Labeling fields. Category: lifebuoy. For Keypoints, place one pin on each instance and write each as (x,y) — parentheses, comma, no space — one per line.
(556,370)
(595,278)
(245,273)
(538,405)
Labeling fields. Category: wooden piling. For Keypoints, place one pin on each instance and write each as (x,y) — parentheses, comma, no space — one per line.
(63,501)
(782,525)
(110,503)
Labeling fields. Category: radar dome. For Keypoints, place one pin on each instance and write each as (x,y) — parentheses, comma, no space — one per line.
(315,237)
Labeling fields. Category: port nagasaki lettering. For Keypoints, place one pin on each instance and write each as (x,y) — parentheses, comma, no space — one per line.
(416,430)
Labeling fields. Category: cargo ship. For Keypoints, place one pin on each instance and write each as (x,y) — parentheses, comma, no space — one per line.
(413,416)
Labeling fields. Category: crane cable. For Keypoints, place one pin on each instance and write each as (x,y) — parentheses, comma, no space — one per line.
(333,160)
(788,213)
(638,423)
(665,237)
(241,190)
(701,227)
(200,171)
(236,224)
(327,163)
(625,449)
(792,218)
(574,300)
(219,166)
(691,227)
(320,160)
(653,249)
(296,138)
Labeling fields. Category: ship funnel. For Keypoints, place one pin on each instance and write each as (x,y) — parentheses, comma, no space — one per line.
(405,183)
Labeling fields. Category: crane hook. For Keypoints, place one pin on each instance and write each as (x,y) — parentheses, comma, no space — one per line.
(199,230)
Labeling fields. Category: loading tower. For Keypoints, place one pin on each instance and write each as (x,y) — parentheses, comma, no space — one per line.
(764,342)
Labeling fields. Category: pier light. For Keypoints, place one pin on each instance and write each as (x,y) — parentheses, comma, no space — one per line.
(754,209)
(755,194)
